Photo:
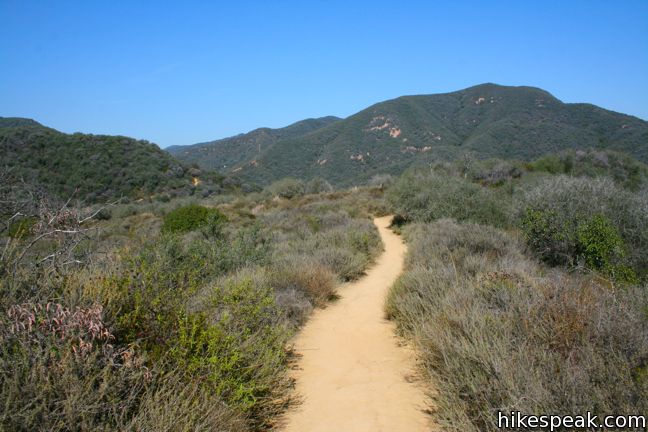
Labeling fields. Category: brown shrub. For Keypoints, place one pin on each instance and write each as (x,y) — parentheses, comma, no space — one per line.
(307,275)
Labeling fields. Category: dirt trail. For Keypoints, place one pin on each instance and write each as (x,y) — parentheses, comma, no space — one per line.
(353,373)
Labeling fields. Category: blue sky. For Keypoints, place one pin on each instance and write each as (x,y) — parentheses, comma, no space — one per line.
(185,72)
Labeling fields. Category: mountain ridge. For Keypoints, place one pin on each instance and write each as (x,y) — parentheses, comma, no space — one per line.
(487,120)
(246,144)
(96,168)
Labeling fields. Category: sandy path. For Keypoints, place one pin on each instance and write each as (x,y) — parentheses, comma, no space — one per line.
(352,375)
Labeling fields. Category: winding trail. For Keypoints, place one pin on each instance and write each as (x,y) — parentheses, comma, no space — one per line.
(353,373)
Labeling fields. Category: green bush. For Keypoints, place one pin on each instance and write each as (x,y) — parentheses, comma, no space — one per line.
(566,220)
(553,241)
(497,332)
(287,188)
(193,217)
(318,185)
(425,197)
(601,246)
(237,344)
(21,228)
(590,241)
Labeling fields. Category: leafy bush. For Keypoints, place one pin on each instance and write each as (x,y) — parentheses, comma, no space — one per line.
(602,248)
(593,242)
(287,188)
(155,326)
(425,197)
(569,219)
(236,344)
(193,217)
(498,333)
(623,169)
(318,185)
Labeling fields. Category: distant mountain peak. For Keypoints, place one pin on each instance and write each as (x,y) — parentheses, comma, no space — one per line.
(226,152)
(17,122)
(486,120)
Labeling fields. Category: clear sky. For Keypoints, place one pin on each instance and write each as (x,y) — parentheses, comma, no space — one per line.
(187,71)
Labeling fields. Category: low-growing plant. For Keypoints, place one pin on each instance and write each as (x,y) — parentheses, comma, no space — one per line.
(427,196)
(193,217)
(287,188)
(318,185)
(496,332)
(568,219)
(237,344)
(306,274)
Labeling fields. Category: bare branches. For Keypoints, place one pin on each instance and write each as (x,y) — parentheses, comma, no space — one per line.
(37,230)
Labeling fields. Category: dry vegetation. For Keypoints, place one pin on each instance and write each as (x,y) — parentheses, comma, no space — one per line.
(549,316)
(165,315)
(525,289)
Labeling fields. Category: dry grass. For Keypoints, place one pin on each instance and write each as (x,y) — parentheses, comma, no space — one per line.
(305,274)
(498,332)
(177,331)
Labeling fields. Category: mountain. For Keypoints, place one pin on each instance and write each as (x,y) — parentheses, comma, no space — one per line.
(95,167)
(8,122)
(487,121)
(227,152)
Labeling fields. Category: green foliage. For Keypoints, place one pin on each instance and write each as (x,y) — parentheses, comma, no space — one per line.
(96,168)
(624,169)
(488,120)
(551,240)
(552,164)
(592,241)
(497,332)
(424,197)
(193,217)
(599,243)
(287,188)
(568,220)
(603,249)
(21,228)
(240,373)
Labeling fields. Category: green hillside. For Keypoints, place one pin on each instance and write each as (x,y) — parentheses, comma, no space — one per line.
(8,122)
(487,120)
(225,153)
(95,167)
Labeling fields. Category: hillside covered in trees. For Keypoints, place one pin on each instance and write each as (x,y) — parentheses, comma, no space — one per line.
(96,167)
(487,121)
